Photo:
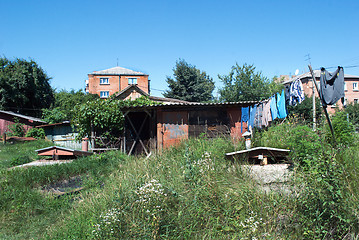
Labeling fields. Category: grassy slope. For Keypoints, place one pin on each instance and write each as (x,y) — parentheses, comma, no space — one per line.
(197,194)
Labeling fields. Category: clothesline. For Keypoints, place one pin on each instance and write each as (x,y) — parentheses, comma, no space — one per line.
(263,113)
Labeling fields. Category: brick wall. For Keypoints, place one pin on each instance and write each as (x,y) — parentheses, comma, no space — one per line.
(116,83)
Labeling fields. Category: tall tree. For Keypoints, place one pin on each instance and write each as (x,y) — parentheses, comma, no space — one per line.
(65,101)
(24,87)
(243,83)
(189,83)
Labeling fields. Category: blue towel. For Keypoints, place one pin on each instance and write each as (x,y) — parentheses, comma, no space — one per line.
(252,113)
(282,111)
(273,108)
(245,116)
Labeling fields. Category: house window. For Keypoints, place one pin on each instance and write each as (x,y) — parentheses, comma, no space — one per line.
(104,81)
(132,80)
(104,94)
(345,87)
(355,86)
(355,101)
(345,101)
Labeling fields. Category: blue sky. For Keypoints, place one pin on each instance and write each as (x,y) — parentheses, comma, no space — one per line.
(70,39)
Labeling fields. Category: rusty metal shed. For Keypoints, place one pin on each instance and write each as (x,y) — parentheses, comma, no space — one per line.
(160,126)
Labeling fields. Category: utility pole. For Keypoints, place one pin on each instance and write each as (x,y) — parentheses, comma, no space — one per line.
(314,117)
(324,107)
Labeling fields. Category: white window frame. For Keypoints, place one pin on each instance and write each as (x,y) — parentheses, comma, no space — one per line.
(104,94)
(104,81)
(356,101)
(355,86)
(345,87)
(132,81)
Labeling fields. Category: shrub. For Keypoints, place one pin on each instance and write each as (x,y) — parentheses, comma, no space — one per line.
(38,133)
(343,129)
(304,143)
(17,129)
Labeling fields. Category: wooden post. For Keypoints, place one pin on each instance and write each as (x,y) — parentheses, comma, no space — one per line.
(314,117)
(4,138)
(324,107)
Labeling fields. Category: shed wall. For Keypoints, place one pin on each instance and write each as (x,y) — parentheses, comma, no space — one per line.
(7,120)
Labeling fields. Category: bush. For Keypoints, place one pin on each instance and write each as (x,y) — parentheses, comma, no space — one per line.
(38,133)
(343,129)
(304,143)
(17,129)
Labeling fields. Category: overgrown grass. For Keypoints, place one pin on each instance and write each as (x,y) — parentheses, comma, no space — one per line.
(191,192)
(187,192)
(26,210)
(10,152)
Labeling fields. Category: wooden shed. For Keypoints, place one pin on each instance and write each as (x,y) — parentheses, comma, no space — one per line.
(57,152)
(8,118)
(61,134)
(161,126)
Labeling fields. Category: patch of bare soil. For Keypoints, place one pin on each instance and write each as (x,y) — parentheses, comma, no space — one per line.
(72,185)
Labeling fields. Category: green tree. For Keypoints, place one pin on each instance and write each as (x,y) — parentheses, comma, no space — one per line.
(243,83)
(24,87)
(189,83)
(304,110)
(65,101)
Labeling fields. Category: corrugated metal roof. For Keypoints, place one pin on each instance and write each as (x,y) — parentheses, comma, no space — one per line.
(23,116)
(195,104)
(117,71)
(316,75)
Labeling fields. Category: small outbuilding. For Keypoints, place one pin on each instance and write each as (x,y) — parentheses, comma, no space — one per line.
(57,152)
(61,134)
(9,118)
(164,125)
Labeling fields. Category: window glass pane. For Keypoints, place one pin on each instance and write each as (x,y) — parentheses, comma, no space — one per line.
(104,94)
(132,80)
(103,80)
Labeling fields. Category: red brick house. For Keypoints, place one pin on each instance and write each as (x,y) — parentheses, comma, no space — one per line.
(109,81)
(351,87)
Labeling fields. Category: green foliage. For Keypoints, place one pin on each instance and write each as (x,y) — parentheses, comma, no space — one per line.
(304,143)
(304,110)
(26,197)
(186,192)
(10,151)
(323,210)
(17,129)
(343,129)
(244,84)
(104,118)
(38,133)
(353,110)
(189,83)
(18,160)
(65,101)
(24,87)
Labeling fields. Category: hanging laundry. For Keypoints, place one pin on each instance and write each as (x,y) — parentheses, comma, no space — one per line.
(252,113)
(287,93)
(258,116)
(282,111)
(266,115)
(332,86)
(245,116)
(273,107)
(296,93)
